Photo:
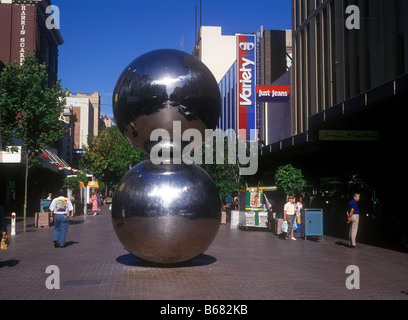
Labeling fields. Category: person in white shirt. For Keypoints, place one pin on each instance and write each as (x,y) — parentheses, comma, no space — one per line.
(289,212)
(60,212)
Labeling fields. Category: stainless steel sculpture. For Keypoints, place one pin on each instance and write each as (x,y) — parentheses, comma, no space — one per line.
(163,86)
(167,213)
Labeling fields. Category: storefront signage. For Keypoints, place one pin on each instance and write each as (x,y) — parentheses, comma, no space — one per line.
(349,135)
(246,73)
(22,33)
(273,94)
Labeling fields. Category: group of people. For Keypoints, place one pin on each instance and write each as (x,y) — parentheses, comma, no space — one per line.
(61,210)
(291,210)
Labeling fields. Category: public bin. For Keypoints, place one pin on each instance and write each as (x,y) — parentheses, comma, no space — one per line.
(45,205)
(312,223)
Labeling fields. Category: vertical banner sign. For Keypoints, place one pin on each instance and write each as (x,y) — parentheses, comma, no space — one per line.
(246,73)
(23,31)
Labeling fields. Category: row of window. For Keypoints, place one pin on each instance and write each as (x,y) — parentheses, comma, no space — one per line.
(333,63)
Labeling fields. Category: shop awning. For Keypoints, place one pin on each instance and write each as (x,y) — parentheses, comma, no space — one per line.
(93,184)
(53,159)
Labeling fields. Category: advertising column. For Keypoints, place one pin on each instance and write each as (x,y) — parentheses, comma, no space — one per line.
(246,74)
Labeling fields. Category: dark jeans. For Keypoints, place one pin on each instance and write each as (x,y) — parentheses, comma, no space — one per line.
(60,228)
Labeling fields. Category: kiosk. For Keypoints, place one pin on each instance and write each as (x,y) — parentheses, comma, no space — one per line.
(255,214)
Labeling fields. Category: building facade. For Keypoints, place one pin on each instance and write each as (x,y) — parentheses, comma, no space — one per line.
(23,26)
(216,50)
(242,107)
(348,112)
(86,107)
(334,63)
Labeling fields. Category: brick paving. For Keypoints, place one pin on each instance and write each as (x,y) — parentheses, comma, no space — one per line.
(239,265)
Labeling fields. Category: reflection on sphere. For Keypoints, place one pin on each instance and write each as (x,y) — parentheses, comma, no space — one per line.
(163,86)
(166,213)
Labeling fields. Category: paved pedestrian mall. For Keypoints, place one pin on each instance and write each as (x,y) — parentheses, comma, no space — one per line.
(239,265)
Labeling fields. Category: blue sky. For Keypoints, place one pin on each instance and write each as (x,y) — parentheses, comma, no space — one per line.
(103,37)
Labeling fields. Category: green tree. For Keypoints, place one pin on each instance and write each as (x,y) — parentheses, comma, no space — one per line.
(30,110)
(290,179)
(225,175)
(74,181)
(109,155)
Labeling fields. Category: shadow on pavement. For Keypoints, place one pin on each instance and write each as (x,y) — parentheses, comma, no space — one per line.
(131,260)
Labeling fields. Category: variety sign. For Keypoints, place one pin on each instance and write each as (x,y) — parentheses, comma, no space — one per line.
(246,73)
(273,94)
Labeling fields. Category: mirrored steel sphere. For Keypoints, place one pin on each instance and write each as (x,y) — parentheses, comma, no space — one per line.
(166,213)
(163,86)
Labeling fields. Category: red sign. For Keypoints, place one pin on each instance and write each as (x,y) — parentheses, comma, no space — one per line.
(246,79)
(273,94)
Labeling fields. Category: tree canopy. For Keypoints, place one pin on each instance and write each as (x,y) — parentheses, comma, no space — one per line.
(290,179)
(109,155)
(74,181)
(225,175)
(30,110)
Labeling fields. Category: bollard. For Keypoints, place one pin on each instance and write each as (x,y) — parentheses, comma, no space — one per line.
(13,224)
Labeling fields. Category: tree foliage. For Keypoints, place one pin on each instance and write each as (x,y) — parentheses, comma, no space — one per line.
(290,179)
(224,175)
(109,155)
(30,110)
(74,181)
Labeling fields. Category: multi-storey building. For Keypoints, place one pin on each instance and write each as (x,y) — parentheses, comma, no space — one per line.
(23,26)
(216,50)
(86,107)
(334,63)
(349,109)
(268,54)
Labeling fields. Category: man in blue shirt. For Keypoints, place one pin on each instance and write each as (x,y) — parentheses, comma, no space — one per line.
(353,218)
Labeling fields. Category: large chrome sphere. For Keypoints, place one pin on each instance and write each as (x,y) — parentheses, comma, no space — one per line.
(163,86)
(166,213)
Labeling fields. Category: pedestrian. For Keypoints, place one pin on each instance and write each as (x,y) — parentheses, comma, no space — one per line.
(353,216)
(234,205)
(289,216)
(299,206)
(228,200)
(60,212)
(94,203)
